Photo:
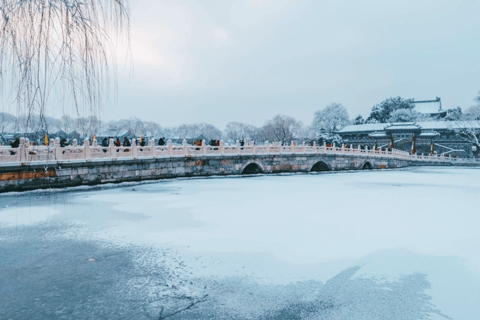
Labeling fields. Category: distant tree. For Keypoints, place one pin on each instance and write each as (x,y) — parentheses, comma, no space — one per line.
(330,118)
(404,115)
(473,113)
(152,129)
(382,112)
(7,122)
(52,124)
(168,132)
(210,132)
(283,129)
(307,133)
(188,131)
(454,114)
(359,120)
(240,131)
(68,124)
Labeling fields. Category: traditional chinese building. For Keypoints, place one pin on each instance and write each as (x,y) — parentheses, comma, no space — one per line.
(432,108)
(437,137)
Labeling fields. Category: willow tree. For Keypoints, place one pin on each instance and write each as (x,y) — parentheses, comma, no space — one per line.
(60,50)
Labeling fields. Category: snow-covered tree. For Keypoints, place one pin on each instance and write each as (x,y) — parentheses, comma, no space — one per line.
(283,129)
(358,120)
(331,118)
(240,131)
(382,112)
(473,113)
(7,122)
(454,114)
(404,115)
(209,132)
(61,49)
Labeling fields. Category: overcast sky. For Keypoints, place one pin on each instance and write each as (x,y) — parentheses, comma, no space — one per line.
(248,60)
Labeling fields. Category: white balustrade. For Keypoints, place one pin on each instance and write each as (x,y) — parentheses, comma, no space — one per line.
(26,153)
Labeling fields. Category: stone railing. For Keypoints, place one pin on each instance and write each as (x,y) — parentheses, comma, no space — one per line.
(26,153)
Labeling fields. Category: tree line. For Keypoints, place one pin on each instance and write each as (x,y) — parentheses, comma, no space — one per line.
(280,128)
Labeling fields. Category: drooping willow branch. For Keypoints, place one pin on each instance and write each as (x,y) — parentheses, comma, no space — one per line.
(60,50)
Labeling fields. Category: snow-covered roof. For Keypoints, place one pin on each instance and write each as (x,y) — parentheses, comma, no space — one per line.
(427,125)
(363,128)
(407,126)
(429,106)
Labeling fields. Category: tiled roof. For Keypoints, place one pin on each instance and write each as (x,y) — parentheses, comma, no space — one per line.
(428,125)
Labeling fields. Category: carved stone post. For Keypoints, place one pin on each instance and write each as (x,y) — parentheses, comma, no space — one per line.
(204,147)
(151,144)
(74,144)
(221,149)
(169,147)
(86,148)
(22,152)
(238,147)
(267,147)
(111,148)
(94,142)
(185,147)
(58,149)
(134,148)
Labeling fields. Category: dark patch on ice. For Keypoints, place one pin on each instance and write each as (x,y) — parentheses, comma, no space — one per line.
(44,274)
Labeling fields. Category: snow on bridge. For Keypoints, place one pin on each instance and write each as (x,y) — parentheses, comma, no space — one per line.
(33,167)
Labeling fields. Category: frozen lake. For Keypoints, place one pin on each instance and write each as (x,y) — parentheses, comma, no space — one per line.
(400,244)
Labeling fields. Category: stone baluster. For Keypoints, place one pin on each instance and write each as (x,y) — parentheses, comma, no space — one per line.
(267,147)
(280,145)
(134,148)
(204,147)
(74,143)
(304,147)
(221,149)
(185,147)
(111,147)
(151,144)
(58,150)
(169,147)
(315,147)
(86,148)
(324,147)
(237,147)
(94,142)
(351,148)
(292,147)
(22,152)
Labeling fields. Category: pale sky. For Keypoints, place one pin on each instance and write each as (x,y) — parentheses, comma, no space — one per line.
(221,61)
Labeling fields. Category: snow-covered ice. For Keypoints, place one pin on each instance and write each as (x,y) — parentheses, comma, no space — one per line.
(278,230)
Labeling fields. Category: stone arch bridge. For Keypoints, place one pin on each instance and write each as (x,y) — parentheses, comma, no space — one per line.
(27,168)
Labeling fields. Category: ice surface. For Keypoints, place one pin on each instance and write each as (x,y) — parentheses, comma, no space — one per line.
(420,223)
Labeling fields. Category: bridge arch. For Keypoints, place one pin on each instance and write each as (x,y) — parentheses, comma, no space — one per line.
(252,167)
(320,166)
(367,166)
